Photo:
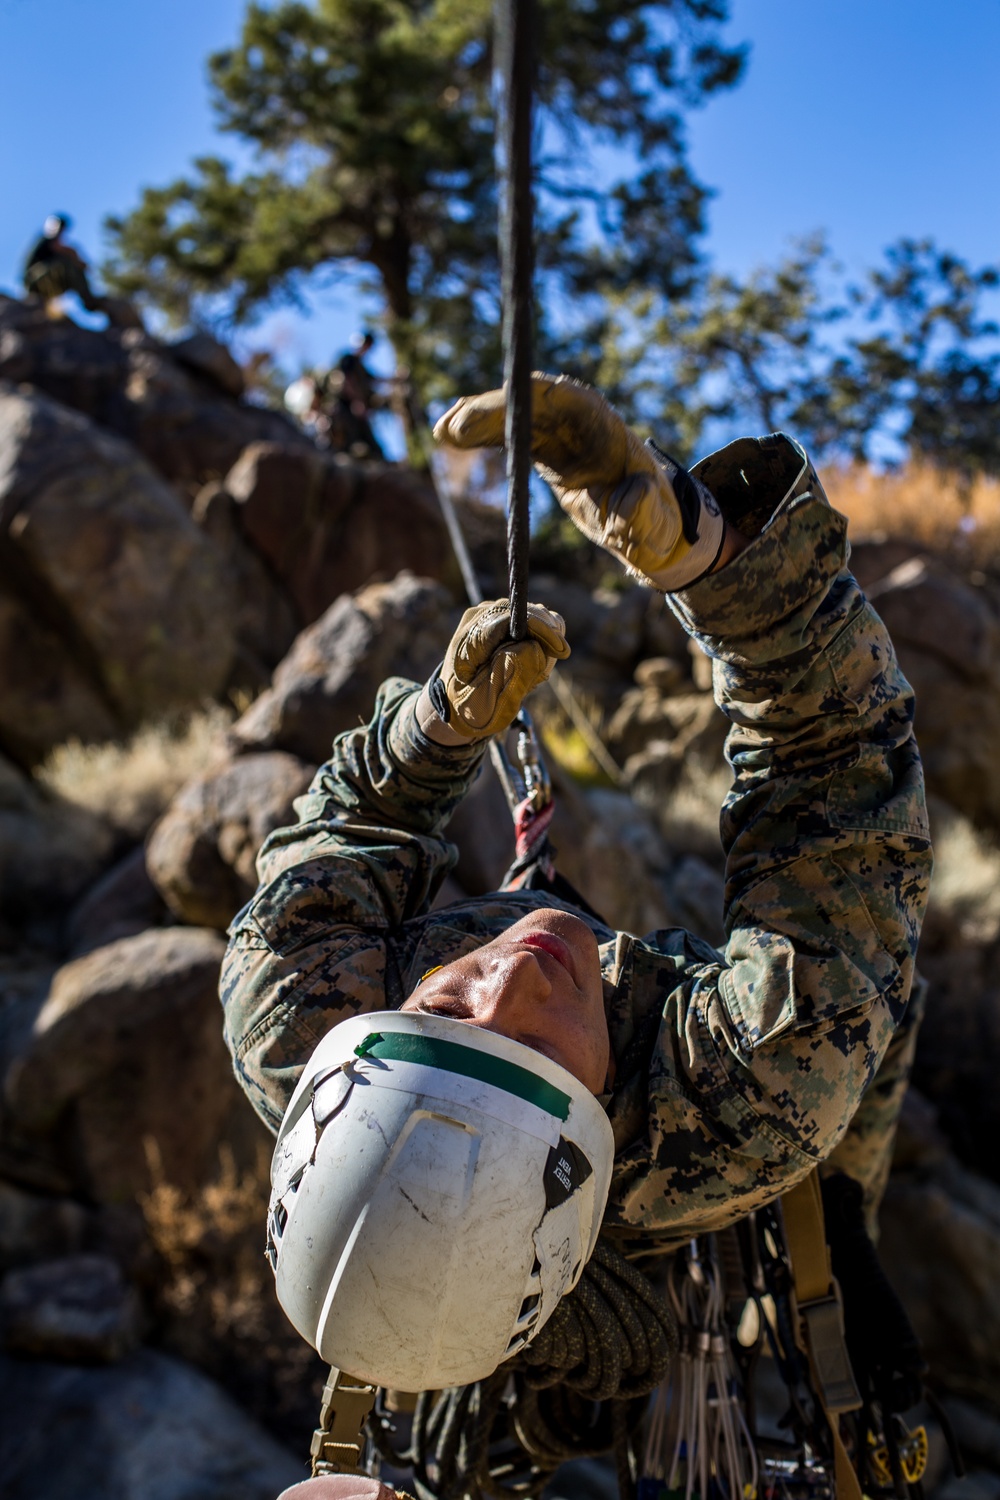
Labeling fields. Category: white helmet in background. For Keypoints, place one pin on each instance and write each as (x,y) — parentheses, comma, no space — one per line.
(436,1189)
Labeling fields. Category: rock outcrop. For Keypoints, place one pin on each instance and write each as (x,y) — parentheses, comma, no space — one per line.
(941,1246)
(163,541)
(146,1428)
(329,679)
(50,851)
(324,524)
(78,1309)
(171,402)
(200,855)
(947,635)
(100,549)
(127,1049)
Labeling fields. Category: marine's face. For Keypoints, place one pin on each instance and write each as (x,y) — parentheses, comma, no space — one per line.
(539,983)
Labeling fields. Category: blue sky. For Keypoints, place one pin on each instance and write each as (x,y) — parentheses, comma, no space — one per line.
(868,119)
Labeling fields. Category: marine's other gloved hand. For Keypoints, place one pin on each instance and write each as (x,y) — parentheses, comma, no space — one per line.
(485,675)
(628,497)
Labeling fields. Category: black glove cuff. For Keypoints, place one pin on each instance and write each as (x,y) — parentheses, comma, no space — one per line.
(685,489)
(438,696)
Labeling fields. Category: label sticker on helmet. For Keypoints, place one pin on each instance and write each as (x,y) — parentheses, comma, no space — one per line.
(566,1169)
(469,1062)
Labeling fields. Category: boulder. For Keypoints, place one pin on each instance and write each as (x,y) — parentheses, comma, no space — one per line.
(325,524)
(147,1428)
(958,1049)
(117,567)
(328,681)
(651,729)
(617,638)
(611,628)
(666,675)
(201,854)
(940,1245)
(123,903)
(33,1163)
(929,609)
(264,621)
(47,694)
(482,829)
(200,352)
(613,853)
(164,401)
(37,1226)
(947,633)
(78,1309)
(50,850)
(128,1048)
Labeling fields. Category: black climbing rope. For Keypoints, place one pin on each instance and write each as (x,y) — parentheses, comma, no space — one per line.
(515,69)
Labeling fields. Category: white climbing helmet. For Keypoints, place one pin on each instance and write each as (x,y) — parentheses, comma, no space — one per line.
(435,1190)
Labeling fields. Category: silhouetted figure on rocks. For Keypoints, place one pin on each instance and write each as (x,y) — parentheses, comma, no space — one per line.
(54,267)
(354,387)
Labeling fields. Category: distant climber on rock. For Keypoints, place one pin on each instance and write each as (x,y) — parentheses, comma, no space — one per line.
(352,387)
(54,267)
(480,1106)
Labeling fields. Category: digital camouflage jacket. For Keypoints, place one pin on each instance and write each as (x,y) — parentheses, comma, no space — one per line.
(739,1069)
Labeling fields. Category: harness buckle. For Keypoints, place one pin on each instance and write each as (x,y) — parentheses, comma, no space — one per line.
(823,1326)
(338,1442)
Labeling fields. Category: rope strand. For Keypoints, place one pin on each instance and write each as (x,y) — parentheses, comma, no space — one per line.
(515,44)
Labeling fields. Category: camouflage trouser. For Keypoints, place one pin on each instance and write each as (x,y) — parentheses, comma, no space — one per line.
(49,279)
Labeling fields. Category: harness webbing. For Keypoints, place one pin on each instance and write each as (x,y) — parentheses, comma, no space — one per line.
(820,1330)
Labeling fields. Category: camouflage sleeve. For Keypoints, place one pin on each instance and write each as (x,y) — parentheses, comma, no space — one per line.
(865,1151)
(761,1061)
(368,852)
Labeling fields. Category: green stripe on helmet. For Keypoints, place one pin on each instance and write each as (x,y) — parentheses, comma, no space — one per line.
(469,1062)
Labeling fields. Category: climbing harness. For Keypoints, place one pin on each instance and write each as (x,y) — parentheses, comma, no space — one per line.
(767,1287)
(698,1432)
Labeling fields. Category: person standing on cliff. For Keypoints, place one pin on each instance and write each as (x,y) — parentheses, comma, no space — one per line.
(54,267)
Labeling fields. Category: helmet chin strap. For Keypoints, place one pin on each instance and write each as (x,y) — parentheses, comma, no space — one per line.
(339,1441)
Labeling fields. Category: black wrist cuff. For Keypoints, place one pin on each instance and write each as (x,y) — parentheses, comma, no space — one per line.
(438,696)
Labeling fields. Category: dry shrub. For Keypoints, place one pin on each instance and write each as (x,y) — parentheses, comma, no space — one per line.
(965,889)
(193,1235)
(689,818)
(130,783)
(919,503)
(214,1299)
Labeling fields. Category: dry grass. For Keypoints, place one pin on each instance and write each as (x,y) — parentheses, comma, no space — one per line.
(223,1226)
(921,504)
(129,783)
(213,1296)
(965,890)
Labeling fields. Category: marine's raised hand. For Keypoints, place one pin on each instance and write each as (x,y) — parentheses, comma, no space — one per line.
(638,504)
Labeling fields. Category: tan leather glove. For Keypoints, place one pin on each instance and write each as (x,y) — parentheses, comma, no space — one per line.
(485,675)
(627,496)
